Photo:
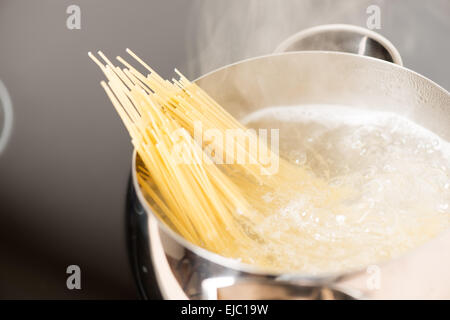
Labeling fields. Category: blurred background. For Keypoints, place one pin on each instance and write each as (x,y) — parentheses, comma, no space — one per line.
(64,154)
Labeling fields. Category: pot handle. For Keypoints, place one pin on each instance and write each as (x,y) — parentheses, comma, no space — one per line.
(342,38)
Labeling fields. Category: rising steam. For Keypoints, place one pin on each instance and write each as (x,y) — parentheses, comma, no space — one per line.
(223,32)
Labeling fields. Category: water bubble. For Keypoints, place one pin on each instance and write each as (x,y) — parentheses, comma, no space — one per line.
(436,143)
(301,159)
(389,168)
(442,207)
(340,219)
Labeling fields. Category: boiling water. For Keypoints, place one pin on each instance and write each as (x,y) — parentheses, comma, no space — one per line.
(398,173)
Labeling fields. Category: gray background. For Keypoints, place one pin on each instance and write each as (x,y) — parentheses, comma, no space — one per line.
(63,175)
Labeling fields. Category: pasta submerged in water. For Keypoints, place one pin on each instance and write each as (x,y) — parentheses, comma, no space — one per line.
(239,207)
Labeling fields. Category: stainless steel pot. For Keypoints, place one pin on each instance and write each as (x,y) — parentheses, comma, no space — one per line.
(184,270)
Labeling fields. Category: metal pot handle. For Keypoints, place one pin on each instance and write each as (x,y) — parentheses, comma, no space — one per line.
(343,38)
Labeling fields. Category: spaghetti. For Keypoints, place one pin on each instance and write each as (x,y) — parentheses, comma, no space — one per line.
(215,206)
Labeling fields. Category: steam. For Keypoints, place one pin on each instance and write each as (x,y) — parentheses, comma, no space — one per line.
(223,32)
